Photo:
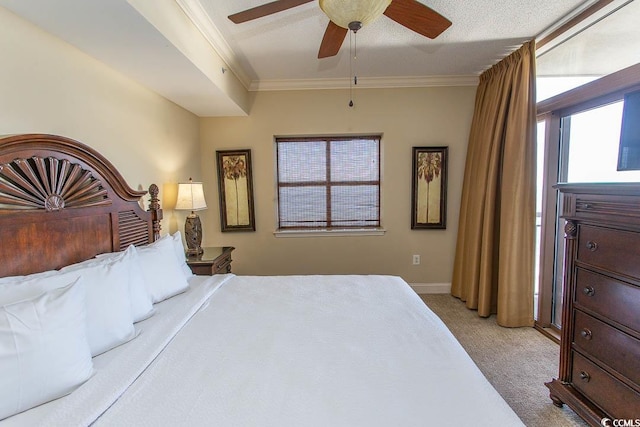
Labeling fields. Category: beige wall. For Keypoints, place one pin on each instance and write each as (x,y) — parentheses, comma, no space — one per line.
(48,86)
(406,118)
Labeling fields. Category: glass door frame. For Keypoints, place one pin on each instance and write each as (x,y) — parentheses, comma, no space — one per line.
(548,223)
(599,92)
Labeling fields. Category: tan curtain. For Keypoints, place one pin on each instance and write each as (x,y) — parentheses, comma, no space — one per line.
(494,264)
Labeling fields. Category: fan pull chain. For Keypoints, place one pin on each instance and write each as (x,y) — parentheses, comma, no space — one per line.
(350,70)
(353,56)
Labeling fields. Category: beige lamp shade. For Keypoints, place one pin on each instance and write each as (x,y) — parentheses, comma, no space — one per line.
(191,197)
(343,12)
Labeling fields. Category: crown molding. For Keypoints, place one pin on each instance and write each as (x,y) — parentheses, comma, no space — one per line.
(364,83)
(196,13)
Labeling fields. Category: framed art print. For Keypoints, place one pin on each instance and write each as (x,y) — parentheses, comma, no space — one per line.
(236,190)
(429,188)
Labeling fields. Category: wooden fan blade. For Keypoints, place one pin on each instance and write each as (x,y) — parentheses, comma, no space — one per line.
(265,9)
(417,17)
(332,40)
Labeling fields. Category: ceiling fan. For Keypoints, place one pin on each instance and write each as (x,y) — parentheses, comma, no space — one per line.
(351,15)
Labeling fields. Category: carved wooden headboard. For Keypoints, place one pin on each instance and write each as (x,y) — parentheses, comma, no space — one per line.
(61,202)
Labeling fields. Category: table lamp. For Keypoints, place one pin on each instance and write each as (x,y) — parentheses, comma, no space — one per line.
(191,198)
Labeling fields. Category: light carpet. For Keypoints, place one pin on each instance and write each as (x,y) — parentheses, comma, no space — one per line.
(517,361)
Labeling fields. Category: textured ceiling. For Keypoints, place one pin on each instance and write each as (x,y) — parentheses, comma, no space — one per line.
(284,46)
(153,43)
(608,45)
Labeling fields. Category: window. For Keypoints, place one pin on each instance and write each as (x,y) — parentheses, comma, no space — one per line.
(328,183)
(579,138)
(592,139)
(584,68)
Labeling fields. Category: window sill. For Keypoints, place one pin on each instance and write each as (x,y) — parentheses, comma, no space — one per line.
(330,233)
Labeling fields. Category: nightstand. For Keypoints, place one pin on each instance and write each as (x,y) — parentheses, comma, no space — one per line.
(214,260)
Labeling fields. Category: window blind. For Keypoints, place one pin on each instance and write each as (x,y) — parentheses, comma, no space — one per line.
(328,182)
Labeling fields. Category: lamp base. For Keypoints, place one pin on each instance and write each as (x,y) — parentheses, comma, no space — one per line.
(194,252)
(193,235)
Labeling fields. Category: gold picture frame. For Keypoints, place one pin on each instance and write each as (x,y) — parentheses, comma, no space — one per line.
(429,188)
(235,187)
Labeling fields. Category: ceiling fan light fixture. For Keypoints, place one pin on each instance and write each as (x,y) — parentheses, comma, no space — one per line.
(342,12)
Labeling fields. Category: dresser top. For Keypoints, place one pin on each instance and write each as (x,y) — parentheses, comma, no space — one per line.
(607,188)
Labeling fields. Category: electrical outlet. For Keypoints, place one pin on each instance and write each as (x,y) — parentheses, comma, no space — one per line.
(416,260)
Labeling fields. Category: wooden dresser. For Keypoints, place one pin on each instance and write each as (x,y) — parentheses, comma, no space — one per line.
(600,346)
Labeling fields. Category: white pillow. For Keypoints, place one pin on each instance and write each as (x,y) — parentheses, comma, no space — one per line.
(44,352)
(161,270)
(140,296)
(109,314)
(11,280)
(109,308)
(177,245)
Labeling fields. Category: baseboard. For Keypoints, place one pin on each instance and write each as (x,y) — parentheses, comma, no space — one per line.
(431,288)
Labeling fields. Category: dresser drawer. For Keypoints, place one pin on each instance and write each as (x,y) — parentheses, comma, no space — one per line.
(615,300)
(612,250)
(614,397)
(611,346)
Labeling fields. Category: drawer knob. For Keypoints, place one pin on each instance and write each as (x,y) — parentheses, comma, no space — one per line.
(586,334)
(592,246)
(589,291)
(584,376)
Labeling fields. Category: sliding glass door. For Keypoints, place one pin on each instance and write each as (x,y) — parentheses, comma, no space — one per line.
(577,142)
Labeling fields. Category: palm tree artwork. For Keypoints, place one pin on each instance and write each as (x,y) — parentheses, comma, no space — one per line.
(235,170)
(429,168)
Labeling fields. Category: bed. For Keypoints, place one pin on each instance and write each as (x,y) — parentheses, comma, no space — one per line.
(79,254)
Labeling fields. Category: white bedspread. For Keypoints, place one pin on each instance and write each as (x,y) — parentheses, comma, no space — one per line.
(118,368)
(284,351)
(310,351)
